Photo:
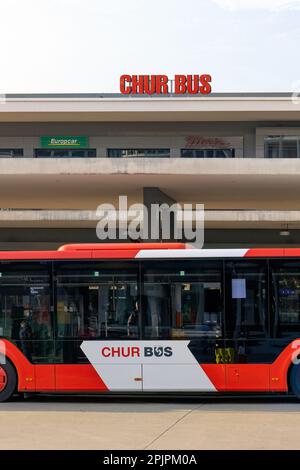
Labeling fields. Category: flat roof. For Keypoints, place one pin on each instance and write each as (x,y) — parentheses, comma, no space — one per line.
(31,96)
(169,95)
(115,107)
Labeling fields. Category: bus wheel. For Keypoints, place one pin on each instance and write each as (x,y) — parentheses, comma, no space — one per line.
(8,381)
(295,380)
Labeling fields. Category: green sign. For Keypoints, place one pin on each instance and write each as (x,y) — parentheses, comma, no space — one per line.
(64,141)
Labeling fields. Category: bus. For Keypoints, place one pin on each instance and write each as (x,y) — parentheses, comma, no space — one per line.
(149,318)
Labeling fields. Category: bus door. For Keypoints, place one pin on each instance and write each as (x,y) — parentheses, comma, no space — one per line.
(182,326)
(97,318)
(26,316)
(247,326)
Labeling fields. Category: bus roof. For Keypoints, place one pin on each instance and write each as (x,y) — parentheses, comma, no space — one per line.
(145,251)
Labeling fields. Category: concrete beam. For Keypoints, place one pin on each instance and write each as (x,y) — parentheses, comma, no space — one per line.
(213,218)
(45,238)
(258,167)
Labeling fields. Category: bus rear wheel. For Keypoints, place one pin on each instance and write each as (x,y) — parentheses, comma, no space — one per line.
(8,381)
(295,380)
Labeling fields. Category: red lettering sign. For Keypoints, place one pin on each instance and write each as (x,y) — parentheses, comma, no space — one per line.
(162,85)
(197,141)
(120,351)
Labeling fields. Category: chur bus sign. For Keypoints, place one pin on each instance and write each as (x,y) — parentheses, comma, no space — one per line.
(163,85)
(64,141)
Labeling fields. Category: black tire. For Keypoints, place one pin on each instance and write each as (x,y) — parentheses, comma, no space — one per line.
(11,383)
(294,380)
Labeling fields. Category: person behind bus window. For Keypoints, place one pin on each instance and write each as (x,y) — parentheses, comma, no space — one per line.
(132,321)
(25,335)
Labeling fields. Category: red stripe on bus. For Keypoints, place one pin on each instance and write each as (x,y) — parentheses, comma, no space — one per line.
(292,252)
(78,378)
(216,374)
(265,253)
(90,251)
(43,255)
(122,246)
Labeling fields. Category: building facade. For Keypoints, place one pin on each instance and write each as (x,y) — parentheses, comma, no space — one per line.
(63,155)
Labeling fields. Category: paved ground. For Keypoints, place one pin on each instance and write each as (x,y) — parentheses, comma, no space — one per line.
(124,423)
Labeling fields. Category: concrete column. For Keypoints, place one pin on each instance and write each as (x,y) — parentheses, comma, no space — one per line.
(151,196)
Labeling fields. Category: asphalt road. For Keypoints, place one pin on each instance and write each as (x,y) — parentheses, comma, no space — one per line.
(151,424)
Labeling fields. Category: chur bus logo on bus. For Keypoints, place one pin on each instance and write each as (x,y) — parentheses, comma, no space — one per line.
(136,351)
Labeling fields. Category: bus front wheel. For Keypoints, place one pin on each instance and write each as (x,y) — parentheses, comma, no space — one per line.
(8,381)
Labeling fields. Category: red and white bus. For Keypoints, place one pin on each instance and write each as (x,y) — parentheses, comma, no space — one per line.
(106,318)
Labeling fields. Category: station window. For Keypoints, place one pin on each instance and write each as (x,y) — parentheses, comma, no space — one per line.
(150,153)
(282,147)
(65,153)
(208,153)
(11,152)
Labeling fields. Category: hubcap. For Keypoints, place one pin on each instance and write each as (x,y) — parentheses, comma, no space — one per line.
(3,379)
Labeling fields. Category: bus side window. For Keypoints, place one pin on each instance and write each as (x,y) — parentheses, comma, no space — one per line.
(246,317)
(183,300)
(285,305)
(25,313)
(95,300)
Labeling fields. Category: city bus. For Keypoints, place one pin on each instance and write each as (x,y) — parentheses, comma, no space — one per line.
(149,318)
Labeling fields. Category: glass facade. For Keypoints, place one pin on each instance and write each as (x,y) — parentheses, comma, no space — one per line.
(138,152)
(282,147)
(208,153)
(65,153)
(11,152)
(268,146)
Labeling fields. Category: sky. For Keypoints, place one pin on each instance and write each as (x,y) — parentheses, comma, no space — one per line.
(83,46)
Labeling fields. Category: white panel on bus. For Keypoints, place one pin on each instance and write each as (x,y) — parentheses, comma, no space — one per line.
(192,253)
(121,377)
(163,377)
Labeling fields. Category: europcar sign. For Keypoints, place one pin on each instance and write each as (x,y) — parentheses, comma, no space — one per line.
(64,141)
(163,85)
